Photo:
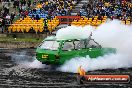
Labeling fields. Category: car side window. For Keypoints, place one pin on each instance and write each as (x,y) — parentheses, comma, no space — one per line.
(79,44)
(68,46)
(92,44)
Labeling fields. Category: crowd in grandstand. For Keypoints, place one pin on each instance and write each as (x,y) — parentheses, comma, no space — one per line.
(47,9)
(53,8)
(113,9)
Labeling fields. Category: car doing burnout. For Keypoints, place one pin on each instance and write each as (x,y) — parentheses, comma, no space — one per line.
(57,51)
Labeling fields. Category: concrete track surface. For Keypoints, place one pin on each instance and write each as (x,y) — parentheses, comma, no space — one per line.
(13,73)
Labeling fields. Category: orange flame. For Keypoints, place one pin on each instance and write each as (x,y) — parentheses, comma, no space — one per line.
(81,71)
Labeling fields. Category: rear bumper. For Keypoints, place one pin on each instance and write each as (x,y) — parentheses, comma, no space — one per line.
(48,62)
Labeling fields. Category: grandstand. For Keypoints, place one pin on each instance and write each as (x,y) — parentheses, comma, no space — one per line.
(42,15)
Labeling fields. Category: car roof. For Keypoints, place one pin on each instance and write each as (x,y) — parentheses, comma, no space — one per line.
(53,38)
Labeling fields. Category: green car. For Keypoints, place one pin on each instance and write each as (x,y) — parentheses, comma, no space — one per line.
(56,51)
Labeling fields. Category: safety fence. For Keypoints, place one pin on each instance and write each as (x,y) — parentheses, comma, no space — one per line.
(67,19)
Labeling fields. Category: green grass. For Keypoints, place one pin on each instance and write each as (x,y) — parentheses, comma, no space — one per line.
(10,39)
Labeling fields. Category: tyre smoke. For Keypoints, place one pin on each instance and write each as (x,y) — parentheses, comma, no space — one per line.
(111,34)
(74,32)
(26,61)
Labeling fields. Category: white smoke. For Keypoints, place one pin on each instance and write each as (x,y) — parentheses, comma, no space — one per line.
(112,34)
(26,61)
(34,64)
(74,32)
(112,61)
(116,35)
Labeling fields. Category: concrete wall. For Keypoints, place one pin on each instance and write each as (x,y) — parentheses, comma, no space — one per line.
(21,35)
(3,35)
(11,45)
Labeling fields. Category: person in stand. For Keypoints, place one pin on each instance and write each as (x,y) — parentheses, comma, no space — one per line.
(29,3)
(46,27)
(12,17)
(78,14)
(63,12)
(34,3)
(17,3)
(37,17)
(3,25)
(24,2)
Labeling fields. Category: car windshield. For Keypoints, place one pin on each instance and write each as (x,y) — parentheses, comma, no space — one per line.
(51,45)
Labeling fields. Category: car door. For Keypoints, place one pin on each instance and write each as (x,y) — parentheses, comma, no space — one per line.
(93,49)
(68,51)
(80,48)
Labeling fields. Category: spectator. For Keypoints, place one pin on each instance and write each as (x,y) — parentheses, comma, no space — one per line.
(34,3)
(14,4)
(52,8)
(3,25)
(17,4)
(46,27)
(109,8)
(63,12)
(29,3)
(12,17)
(37,17)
